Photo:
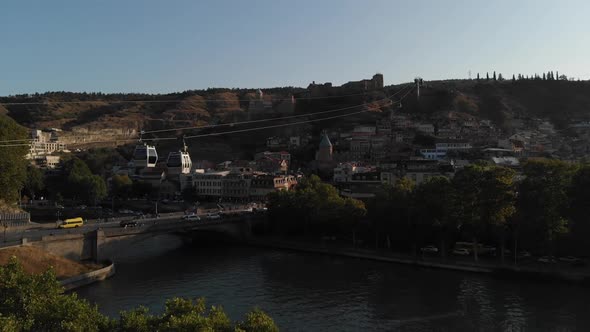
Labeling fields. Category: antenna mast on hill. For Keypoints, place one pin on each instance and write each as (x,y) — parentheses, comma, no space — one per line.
(418,81)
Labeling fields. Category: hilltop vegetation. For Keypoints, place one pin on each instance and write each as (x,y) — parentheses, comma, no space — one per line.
(68,110)
(500,101)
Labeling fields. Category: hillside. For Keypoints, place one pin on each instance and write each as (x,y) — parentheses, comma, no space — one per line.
(559,101)
(90,112)
(90,117)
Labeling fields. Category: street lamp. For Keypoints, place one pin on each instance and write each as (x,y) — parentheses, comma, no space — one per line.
(5,228)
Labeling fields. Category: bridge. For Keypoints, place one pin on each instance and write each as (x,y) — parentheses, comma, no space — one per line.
(104,240)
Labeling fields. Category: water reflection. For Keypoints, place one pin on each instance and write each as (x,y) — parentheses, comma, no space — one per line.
(306,292)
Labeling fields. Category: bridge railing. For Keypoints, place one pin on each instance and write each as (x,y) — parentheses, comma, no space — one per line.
(14,219)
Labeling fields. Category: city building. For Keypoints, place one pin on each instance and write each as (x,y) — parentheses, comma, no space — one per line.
(344,171)
(418,170)
(45,143)
(47,161)
(209,184)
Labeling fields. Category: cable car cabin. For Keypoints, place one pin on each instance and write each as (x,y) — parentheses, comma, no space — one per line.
(145,156)
(179,162)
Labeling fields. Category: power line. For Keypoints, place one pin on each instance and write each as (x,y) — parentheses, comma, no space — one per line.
(246,122)
(285,124)
(411,88)
(275,126)
(263,120)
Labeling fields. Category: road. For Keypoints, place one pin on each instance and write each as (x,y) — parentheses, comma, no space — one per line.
(36,231)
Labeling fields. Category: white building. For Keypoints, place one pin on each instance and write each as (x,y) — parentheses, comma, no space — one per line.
(433,154)
(44,143)
(426,128)
(344,171)
(209,183)
(452,145)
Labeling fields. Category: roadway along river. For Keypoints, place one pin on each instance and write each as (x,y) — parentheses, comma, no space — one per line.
(307,292)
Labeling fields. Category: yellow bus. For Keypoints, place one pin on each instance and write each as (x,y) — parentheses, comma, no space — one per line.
(72,223)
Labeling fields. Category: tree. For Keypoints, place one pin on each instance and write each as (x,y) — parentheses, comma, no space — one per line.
(390,213)
(96,189)
(352,212)
(557,75)
(579,197)
(82,184)
(563,78)
(257,321)
(494,75)
(37,303)
(13,166)
(500,77)
(487,76)
(544,77)
(121,185)
(478,76)
(433,200)
(313,207)
(34,182)
(543,202)
(514,78)
(484,197)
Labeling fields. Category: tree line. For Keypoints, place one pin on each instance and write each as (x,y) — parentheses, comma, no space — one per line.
(38,303)
(548,76)
(66,96)
(541,209)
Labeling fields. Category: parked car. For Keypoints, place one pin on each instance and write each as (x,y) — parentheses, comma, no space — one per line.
(260,210)
(487,251)
(462,252)
(524,254)
(128,223)
(547,259)
(213,216)
(569,259)
(429,249)
(191,217)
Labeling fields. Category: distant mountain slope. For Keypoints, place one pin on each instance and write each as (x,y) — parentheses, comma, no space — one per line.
(500,101)
(559,101)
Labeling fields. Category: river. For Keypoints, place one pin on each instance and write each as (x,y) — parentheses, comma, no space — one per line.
(308,292)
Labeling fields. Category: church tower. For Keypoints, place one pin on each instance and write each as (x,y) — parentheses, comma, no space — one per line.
(324,153)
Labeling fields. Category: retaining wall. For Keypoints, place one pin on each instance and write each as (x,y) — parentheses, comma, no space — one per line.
(89,278)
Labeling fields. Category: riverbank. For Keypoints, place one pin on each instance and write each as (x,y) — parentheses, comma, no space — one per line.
(576,275)
(70,273)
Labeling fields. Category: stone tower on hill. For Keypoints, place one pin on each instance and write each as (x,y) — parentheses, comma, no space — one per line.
(324,154)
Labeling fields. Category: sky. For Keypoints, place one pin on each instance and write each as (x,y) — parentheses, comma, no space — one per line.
(165,46)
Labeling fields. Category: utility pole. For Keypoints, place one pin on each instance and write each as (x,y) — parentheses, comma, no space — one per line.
(418,81)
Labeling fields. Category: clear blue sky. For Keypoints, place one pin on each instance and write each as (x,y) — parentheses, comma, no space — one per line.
(164,46)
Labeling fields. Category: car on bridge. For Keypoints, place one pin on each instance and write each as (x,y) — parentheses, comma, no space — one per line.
(192,217)
(129,223)
(462,252)
(429,249)
(213,216)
